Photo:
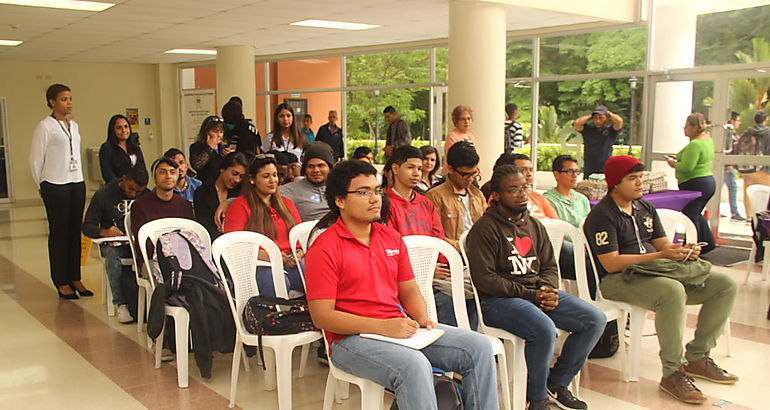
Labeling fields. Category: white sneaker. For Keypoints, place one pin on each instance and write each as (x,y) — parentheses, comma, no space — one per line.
(123,315)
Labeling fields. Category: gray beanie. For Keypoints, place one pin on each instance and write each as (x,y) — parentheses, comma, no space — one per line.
(318,149)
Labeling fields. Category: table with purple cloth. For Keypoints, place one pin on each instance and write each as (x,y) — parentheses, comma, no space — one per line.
(672,199)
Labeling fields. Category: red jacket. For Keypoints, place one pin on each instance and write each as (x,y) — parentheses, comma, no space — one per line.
(415,217)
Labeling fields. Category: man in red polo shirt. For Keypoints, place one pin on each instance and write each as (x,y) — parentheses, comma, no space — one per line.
(358,277)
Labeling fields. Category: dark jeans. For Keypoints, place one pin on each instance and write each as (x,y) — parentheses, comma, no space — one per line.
(291,277)
(694,210)
(538,328)
(64,208)
(446,312)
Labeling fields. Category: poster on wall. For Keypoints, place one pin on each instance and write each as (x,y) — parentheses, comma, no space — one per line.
(196,105)
(133,116)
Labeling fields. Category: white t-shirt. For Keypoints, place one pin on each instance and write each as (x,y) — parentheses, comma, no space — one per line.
(268,145)
(49,155)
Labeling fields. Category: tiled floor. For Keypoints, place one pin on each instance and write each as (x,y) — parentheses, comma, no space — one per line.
(65,354)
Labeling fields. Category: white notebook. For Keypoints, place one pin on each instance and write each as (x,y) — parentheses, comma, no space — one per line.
(423,337)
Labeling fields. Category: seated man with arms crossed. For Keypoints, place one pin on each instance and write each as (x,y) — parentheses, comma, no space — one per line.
(514,271)
(104,218)
(459,204)
(358,277)
(624,231)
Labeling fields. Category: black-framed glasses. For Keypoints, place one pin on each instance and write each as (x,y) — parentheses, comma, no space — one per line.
(468,175)
(367,193)
(522,189)
(570,172)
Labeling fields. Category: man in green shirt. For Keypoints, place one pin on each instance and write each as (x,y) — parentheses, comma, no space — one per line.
(572,207)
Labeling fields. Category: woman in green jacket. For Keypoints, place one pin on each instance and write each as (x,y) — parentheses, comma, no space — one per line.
(693,171)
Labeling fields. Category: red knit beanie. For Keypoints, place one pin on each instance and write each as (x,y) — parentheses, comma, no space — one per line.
(617,167)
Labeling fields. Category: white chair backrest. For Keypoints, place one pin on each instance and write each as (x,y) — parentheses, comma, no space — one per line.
(239,252)
(131,241)
(423,254)
(154,229)
(592,260)
(301,233)
(557,230)
(758,198)
(463,251)
(672,220)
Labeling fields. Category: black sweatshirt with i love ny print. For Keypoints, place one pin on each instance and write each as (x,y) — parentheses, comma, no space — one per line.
(510,258)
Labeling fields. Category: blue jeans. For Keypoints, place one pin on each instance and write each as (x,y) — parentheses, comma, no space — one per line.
(122,279)
(538,328)
(732,191)
(408,372)
(291,277)
(446,312)
(694,210)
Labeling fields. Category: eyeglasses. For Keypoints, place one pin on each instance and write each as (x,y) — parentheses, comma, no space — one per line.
(217,119)
(519,190)
(468,175)
(571,172)
(367,193)
(264,156)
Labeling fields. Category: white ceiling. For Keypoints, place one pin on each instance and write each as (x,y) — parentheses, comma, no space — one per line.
(141,30)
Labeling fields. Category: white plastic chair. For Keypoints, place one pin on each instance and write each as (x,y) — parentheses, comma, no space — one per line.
(106,288)
(758,196)
(514,347)
(151,231)
(238,251)
(557,230)
(300,233)
(672,221)
(423,254)
(372,394)
(143,283)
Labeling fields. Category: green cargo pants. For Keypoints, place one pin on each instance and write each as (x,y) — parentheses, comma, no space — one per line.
(667,298)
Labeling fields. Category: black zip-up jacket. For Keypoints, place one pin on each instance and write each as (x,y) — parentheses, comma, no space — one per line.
(510,258)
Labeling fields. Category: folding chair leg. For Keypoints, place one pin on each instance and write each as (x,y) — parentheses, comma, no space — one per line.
(181,326)
(159,346)
(140,309)
(234,371)
(303,360)
(245,358)
(750,262)
(505,388)
(283,376)
(270,382)
(331,387)
(727,335)
(637,327)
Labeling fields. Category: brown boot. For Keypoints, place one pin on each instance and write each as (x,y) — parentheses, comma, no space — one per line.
(705,368)
(681,386)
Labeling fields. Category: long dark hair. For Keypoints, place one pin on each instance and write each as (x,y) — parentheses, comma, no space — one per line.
(132,145)
(427,150)
(297,138)
(260,219)
(337,185)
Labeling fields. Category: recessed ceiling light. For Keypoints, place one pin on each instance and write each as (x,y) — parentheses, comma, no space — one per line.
(191,51)
(61,4)
(334,24)
(10,43)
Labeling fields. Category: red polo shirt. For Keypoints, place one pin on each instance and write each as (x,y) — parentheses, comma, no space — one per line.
(363,280)
(237,217)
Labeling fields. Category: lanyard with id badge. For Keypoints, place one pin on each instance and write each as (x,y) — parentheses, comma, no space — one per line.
(73,161)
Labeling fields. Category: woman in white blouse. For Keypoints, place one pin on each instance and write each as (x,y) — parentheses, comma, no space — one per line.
(285,135)
(58,171)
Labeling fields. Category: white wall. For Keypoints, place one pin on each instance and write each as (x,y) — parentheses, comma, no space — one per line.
(99,91)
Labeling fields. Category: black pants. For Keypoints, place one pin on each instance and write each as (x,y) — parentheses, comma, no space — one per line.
(64,207)
(694,210)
